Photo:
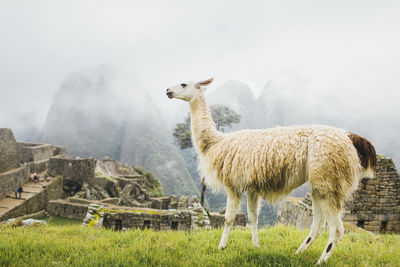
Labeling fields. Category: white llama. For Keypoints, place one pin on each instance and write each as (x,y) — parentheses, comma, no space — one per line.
(270,163)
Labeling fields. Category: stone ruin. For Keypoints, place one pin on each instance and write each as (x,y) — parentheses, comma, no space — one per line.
(375,206)
(101,193)
(123,196)
(116,196)
(18,162)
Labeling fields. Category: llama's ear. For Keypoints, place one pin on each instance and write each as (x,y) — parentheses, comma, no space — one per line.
(206,82)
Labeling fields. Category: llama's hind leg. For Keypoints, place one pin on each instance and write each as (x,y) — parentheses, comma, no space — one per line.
(253,203)
(317,225)
(336,229)
(232,206)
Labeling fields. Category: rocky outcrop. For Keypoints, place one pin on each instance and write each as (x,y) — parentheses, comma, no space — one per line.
(135,195)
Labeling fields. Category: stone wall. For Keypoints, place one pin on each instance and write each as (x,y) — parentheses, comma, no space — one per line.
(67,209)
(29,152)
(120,217)
(9,180)
(38,202)
(35,156)
(375,206)
(38,166)
(173,220)
(161,203)
(75,172)
(9,158)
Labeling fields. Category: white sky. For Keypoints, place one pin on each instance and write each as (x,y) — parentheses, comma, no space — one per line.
(348,50)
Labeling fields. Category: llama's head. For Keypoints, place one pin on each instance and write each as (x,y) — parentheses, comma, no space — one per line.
(186,91)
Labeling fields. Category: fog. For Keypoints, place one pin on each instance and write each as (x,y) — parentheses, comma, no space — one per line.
(338,57)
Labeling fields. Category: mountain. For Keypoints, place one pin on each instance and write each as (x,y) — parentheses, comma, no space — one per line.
(237,96)
(94,114)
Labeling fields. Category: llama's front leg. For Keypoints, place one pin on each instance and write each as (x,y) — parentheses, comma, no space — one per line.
(232,206)
(253,201)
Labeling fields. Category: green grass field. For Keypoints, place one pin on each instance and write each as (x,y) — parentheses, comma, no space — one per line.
(74,245)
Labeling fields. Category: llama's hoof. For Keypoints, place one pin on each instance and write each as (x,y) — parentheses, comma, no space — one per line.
(321,261)
(255,241)
(221,247)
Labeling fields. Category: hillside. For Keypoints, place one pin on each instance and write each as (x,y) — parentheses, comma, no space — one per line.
(95,113)
(237,96)
(78,246)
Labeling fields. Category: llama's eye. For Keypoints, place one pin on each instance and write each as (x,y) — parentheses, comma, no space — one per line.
(183,85)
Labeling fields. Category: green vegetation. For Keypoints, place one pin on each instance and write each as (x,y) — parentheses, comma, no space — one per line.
(79,246)
(101,175)
(153,185)
(60,221)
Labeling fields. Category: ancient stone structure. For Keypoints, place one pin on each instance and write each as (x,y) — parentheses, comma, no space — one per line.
(34,157)
(100,188)
(103,193)
(66,209)
(9,157)
(375,206)
(75,172)
(29,152)
(11,179)
(135,194)
(34,202)
(160,220)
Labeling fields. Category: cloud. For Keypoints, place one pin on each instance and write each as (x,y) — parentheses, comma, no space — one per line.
(340,51)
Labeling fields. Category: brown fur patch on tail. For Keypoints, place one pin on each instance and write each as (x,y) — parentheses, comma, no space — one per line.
(366,151)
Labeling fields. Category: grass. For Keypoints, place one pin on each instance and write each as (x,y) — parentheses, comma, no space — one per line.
(60,221)
(73,245)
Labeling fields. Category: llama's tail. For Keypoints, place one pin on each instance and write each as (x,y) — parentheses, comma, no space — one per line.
(366,154)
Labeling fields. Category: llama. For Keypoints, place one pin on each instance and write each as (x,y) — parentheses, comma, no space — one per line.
(271,163)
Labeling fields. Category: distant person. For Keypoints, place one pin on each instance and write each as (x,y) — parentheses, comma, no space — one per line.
(16,192)
(35,178)
(21,163)
(20,190)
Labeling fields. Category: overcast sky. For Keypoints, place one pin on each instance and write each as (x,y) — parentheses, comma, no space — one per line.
(347,50)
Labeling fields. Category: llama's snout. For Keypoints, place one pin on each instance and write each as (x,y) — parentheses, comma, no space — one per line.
(170,94)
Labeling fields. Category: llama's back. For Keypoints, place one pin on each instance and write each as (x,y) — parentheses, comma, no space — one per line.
(269,161)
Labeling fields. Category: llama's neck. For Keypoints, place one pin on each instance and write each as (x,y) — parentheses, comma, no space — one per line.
(204,132)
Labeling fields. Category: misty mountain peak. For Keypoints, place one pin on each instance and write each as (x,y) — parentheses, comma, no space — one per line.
(102,112)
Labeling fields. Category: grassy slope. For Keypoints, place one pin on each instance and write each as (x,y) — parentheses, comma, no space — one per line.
(75,245)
